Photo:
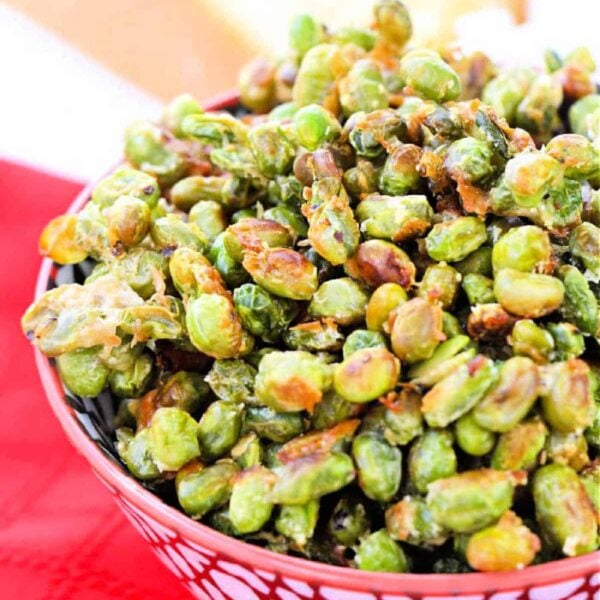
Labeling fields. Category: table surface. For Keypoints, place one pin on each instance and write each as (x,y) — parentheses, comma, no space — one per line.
(61,535)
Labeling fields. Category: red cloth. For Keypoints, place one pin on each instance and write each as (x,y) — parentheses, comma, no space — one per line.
(62,537)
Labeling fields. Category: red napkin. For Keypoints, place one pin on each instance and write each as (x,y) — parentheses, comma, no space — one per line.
(62,537)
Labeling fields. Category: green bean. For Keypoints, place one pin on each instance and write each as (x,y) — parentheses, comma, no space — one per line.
(402,418)
(529,339)
(580,304)
(283,272)
(454,240)
(584,243)
(133,382)
(445,358)
(473,499)
(411,521)
(471,437)
(363,338)
(333,231)
(342,300)
(429,76)
(257,85)
(366,375)
(348,522)
(577,154)
(478,288)
(173,438)
(126,182)
(379,552)
(416,330)
(529,176)
(271,425)
(431,457)
(529,295)
(291,381)
(525,248)
(214,327)
(397,218)
(185,390)
(305,32)
(249,507)
(273,152)
(219,429)
(314,336)
(203,489)
(311,477)
(469,160)
(520,447)
(179,108)
(590,478)
(564,510)
(313,125)
(568,341)
(509,401)
(261,313)
(381,303)
(377,262)
(584,116)
(378,465)
(505,92)
(82,371)
(298,521)
(459,392)
(248,451)
(332,409)
(440,283)
(476,263)
(232,381)
(209,217)
(363,88)
(506,546)
(569,449)
(568,379)
(146,149)
(138,456)
(393,22)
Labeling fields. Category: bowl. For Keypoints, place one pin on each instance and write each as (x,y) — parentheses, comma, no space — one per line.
(214,566)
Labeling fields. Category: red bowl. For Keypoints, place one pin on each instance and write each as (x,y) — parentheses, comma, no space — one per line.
(213,565)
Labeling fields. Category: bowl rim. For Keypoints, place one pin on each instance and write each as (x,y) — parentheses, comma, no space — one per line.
(299,568)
